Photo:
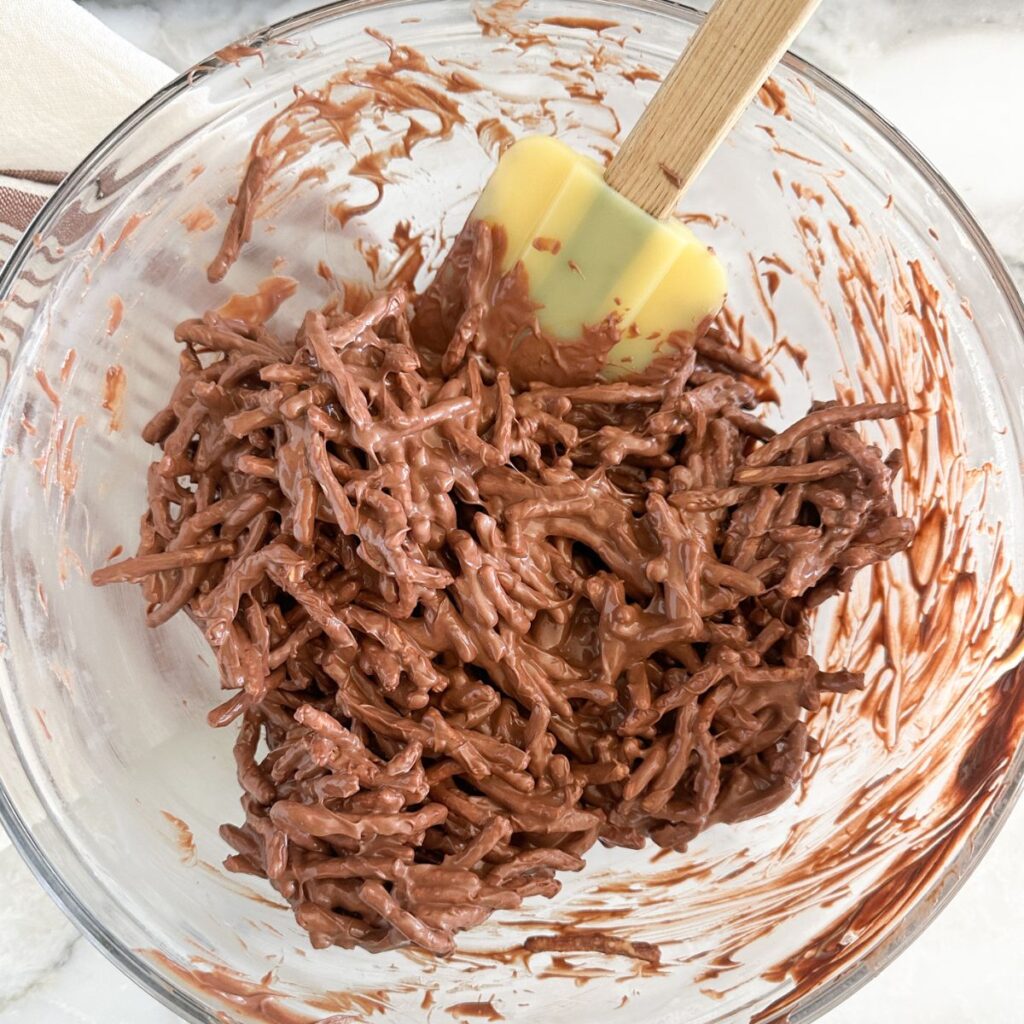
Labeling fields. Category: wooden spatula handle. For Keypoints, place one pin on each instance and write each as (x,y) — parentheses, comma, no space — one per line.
(725,63)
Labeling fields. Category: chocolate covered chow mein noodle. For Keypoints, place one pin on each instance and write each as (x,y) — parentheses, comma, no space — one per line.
(482,627)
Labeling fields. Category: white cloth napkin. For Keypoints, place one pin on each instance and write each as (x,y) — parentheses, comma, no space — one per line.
(65,81)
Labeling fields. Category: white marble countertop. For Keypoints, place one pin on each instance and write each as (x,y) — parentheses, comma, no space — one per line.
(950,75)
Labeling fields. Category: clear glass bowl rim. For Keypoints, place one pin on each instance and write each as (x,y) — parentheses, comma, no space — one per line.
(814,1003)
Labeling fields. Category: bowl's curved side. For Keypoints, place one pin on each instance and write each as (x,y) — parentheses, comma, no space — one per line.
(815,1003)
(35,266)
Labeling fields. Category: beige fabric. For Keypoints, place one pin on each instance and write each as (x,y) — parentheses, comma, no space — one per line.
(66,81)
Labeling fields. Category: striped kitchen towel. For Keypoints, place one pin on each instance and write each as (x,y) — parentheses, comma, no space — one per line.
(66,80)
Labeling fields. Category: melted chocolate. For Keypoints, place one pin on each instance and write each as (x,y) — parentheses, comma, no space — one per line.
(601,942)
(481,625)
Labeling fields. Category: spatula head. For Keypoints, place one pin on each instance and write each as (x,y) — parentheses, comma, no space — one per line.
(592,257)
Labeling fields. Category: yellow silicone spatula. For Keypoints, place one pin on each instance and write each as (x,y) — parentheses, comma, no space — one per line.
(594,242)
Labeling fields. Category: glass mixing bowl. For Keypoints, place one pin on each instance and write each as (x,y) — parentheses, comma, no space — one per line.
(853,268)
